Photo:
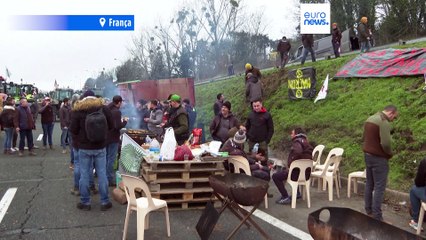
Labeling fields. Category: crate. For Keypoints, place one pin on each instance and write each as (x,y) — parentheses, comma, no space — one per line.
(183,184)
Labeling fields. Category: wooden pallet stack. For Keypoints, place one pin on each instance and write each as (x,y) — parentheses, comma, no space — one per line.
(183,184)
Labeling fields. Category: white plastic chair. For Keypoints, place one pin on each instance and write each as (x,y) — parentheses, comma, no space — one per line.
(304,165)
(355,176)
(421,216)
(143,205)
(329,176)
(333,152)
(318,153)
(241,163)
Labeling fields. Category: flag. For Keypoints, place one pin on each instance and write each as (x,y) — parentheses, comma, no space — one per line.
(323,92)
(8,73)
(55,85)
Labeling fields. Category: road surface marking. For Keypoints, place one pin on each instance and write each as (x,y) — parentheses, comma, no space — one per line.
(282,225)
(6,200)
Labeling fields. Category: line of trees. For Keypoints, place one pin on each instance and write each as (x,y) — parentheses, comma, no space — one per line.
(205,37)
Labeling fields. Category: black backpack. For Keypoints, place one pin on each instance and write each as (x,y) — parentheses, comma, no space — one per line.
(96,126)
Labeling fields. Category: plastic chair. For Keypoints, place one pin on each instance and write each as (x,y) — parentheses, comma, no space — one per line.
(241,163)
(143,205)
(355,176)
(329,176)
(304,165)
(333,152)
(318,153)
(421,216)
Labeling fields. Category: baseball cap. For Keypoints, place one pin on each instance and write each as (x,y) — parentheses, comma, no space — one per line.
(175,98)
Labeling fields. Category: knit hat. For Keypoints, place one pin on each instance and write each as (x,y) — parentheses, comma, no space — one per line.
(227,104)
(240,136)
(88,93)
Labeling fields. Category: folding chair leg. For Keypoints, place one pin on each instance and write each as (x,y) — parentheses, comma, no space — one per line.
(126,222)
(349,186)
(166,213)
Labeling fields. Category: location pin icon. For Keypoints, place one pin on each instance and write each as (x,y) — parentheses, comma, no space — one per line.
(102,21)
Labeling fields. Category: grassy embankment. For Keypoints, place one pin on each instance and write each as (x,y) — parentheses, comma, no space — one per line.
(338,120)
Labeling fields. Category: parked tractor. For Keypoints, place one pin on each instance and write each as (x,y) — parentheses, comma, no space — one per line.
(57,97)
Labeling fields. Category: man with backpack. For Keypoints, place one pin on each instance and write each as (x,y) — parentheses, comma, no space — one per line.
(300,149)
(90,123)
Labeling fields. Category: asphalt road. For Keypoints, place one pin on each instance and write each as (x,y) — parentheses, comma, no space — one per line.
(43,207)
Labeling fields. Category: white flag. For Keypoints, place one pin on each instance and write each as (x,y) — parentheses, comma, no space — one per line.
(323,92)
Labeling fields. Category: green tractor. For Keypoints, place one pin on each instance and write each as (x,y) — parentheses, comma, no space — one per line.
(57,97)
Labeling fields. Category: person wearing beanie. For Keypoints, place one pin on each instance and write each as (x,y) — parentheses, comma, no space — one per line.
(364,35)
(336,37)
(234,146)
(88,153)
(178,119)
(300,149)
(255,71)
(222,123)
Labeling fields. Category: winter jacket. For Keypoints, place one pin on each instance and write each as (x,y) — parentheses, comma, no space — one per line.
(215,124)
(233,148)
(46,114)
(65,116)
(23,118)
(7,116)
(155,119)
(256,73)
(254,89)
(260,126)
(114,133)
(78,117)
(283,46)
(178,120)
(300,149)
(363,32)
(336,35)
(377,137)
(307,40)
(192,116)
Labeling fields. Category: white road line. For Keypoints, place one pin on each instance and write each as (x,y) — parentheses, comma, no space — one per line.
(6,200)
(282,225)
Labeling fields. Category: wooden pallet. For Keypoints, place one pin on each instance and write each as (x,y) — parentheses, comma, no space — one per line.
(183,184)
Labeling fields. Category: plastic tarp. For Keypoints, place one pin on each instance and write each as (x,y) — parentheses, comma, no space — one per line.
(386,63)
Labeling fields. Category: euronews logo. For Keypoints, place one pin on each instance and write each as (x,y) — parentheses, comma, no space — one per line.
(315,18)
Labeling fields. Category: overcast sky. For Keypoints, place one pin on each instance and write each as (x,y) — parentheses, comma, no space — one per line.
(70,57)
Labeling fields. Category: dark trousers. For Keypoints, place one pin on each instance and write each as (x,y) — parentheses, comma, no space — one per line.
(284,58)
(377,175)
(336,48)
(280,178)
(27,133)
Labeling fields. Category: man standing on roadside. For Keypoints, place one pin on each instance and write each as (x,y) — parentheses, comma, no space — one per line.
(377,152)
(65,119)
(308,47)
(364,35)
(336,38)
(260,127)
(114,138)
(90,153)
(24,125)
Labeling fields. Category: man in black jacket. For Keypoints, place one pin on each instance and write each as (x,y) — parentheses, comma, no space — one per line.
(308,47)
(113,138)
(260,127)
(89,152)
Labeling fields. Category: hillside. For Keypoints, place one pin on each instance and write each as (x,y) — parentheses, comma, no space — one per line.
(338,120)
